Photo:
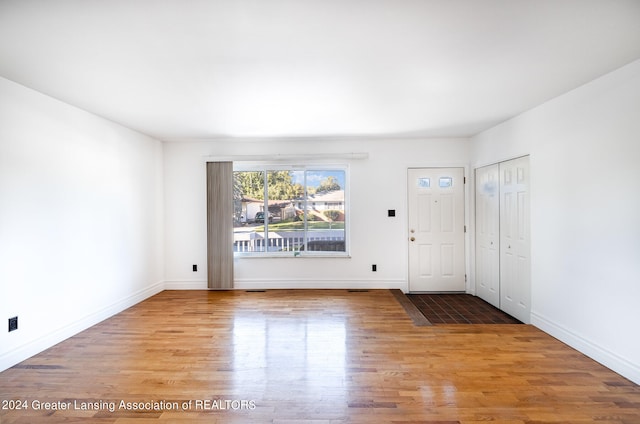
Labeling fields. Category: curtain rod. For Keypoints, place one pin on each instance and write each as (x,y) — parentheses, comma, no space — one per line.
(287,157)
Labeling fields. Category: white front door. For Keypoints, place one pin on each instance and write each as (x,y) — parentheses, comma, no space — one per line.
(488,234)
(436,230)
(515,268)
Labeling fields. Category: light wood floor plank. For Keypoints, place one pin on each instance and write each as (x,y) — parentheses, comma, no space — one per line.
(312,356)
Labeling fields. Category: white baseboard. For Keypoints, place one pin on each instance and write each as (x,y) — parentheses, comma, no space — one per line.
(296,283)
(357,284)
(185,285)
(599,354)
(19,354)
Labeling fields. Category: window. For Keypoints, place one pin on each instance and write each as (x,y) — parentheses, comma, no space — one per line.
(297,211)
(424,182)
(446,182)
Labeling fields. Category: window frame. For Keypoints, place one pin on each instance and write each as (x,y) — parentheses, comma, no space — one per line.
(265,168)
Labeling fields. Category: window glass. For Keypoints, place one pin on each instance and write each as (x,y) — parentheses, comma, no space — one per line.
(424,182)
(445,182)
(290,211)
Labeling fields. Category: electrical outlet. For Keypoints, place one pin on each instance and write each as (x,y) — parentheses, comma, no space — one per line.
(391,212)
(195,268)
(374,268)
(13,324)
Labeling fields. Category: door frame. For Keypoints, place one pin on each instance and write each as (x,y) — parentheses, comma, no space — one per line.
(470,227)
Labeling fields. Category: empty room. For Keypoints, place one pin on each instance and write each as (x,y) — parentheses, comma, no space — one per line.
(319,211)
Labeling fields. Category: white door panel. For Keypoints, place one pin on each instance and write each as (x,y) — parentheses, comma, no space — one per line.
(436,229)
(503,269)
(487,234)
(515,274)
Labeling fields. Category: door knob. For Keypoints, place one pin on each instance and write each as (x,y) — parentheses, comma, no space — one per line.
(412,239)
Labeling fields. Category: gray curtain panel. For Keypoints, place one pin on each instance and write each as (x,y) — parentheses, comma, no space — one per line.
(220,225)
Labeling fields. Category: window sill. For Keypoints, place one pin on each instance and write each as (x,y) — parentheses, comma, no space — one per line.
(323,255)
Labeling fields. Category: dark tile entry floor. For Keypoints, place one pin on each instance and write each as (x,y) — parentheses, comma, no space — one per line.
(459,309)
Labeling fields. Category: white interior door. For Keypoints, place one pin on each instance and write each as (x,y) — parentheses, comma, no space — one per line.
(436,229)
(515,268)
(488,234)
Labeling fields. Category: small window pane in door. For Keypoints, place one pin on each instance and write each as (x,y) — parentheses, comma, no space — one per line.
(424,182)
(446,182)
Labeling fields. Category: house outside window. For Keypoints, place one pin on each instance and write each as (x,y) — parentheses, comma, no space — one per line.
(290,211)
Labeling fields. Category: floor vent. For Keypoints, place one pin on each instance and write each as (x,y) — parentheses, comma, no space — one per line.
(255,291)
(358,291)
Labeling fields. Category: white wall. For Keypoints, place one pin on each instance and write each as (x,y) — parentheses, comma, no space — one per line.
(81,231)
(585,216)
(376,185)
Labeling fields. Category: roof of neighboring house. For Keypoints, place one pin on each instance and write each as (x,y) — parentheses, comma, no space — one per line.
(325,196)
(328,196)
(281,203)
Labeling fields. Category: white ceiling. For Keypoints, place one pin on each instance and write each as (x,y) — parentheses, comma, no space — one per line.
(179,69)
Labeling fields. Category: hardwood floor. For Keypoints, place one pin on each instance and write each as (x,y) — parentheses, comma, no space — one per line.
(309,356)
